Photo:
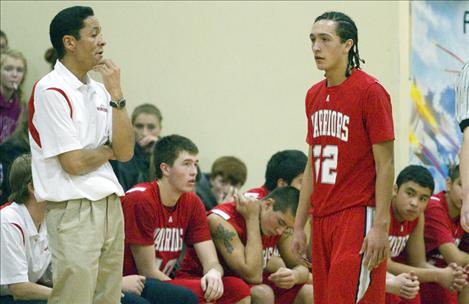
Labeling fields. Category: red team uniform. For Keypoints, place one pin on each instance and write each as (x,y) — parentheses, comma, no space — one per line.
(440,229)
(344,121)
(399,233)
(149,223)
(228,212)
(258,193)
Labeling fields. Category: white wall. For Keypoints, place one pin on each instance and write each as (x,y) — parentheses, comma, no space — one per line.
(231,76)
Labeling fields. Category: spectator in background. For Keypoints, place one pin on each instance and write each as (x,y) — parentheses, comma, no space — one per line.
(3,41)
(146,120)
(51,57)
(24,271)
(14,146)
(12,74)
(227,176)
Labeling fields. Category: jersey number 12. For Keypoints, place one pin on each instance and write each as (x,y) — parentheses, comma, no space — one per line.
(325,163)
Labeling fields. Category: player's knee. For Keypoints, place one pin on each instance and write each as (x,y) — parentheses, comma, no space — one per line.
(305,295)
(246,300)
(262,294)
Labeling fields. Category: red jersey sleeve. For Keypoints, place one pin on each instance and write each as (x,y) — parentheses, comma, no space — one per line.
(139,219)
(197,230)
(378,114)
(437,230)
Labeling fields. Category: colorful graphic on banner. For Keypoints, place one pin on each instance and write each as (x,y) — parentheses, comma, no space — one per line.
(440,46)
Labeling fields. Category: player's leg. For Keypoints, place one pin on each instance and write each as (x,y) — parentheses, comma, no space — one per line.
(432,293)
(320,263)
(262,294)
(349,279)
(156,291)
(305,295)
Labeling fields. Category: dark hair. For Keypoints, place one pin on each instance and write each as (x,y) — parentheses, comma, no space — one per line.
(148,109)
(345,29)
(285,199)
(168,148)
(453,173)
(68,21)
(231,169)
(51,57)
(287,165)
(417,174)
(3,35)
(20,177)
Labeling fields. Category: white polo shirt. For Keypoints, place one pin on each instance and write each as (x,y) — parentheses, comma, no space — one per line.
(24,251)
(84,121)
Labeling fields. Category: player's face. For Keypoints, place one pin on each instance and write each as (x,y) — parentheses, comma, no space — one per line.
(296,182)
(89,49)
(275,222)
(454,191)
(146,125)
(12,73)
(182,174)
(329,52)
(410,201)
(219,186)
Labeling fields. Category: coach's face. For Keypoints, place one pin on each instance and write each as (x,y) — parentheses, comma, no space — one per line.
(182,174)
(88,50)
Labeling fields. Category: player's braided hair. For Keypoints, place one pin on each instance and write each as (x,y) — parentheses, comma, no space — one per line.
(346,29)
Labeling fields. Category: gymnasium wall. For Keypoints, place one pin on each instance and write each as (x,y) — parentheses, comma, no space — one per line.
(232,76)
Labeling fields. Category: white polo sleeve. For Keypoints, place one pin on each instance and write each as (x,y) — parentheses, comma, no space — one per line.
(53,121)
(13,261)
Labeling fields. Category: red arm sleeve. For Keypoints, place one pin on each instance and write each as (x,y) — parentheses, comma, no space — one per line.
(139,218)
(378,114)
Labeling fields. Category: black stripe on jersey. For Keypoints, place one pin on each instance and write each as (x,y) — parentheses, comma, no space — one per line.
(464,124)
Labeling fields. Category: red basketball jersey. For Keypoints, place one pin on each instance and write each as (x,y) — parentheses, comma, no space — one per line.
(344,122)
(258,193)
(440,228)
(149,222)
(399,233)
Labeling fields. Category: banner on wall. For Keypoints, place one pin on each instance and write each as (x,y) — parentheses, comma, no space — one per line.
(439,47)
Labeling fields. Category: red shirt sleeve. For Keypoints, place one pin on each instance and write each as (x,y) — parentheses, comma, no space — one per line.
(197,230)
(437,228)
(139,219)
(378,114)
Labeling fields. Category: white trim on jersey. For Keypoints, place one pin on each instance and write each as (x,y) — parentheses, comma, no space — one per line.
(221,213)
(365,275)
(462,94)
(141,189)
(436,198)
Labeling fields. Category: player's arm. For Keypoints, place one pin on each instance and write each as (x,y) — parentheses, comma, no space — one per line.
(417,264)
(452,254)
(211,282)
(299,237)
(244,261)
(464,170)
(274,264)
(299,271)
(144,257)
(375,245)
(29,291)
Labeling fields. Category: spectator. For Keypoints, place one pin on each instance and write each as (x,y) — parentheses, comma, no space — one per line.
(13,72)
(14,146)
(76,126)
(227,176)
(3,41)
(146,120)
(25,261)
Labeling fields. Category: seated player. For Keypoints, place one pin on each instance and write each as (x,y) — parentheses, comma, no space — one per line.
(25,273)
(414,186)
(284,168)
(443,233)
(227,176)
(163,215)
(246,234)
